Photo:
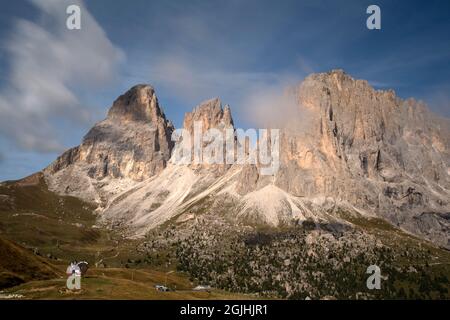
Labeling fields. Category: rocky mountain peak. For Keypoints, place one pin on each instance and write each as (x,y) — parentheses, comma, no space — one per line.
(138,104)
(211,114)
(133,143)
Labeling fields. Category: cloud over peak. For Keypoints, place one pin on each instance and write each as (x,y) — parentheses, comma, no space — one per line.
(47,64)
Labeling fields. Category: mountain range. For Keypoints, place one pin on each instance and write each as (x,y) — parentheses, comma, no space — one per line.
(363,178)
(363,151)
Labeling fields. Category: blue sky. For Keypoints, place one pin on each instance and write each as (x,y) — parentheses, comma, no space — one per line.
(55,83)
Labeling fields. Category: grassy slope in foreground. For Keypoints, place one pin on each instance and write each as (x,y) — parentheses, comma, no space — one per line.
(118,283)
(62,228)
(50,230)
(19,265)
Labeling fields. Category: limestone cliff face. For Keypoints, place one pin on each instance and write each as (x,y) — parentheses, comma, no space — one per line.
(368,134)
(133,142)
(380,153)
(211,114)
(180,184)
(351,148)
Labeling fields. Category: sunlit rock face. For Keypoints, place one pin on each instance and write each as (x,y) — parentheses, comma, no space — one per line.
(211,115)
(346,147)
(211,120)
(133,142)
(370,149)
(380,153)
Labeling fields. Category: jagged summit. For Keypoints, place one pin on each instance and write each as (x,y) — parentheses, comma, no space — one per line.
(387,156)
(133,142)
(212,115)
(137,104)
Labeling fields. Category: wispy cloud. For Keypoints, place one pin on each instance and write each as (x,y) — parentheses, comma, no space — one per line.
(252,94)
(203,51)
(47,64)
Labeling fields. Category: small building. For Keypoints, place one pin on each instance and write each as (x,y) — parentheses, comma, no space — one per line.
(202,288)
(161,288)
